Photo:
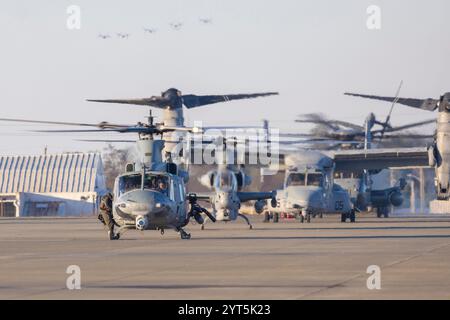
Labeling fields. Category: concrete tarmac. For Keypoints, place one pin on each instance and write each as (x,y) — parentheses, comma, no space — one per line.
(288,260)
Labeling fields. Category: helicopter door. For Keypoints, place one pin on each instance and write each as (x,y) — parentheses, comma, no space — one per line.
(172,191)
(181,200)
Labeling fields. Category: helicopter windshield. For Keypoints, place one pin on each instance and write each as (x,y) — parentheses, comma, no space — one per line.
(132,182)
(301,179)
(314,179)
(225,181)
(296,179)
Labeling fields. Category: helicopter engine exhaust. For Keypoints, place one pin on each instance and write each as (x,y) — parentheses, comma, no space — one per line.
(141,223)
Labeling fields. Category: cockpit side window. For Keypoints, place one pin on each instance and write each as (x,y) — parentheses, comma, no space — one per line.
(225,181)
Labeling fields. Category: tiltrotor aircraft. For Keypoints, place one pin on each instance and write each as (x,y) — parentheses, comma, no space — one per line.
(151,195)
(172,101)
(439,152)
(340,133)
(310,187)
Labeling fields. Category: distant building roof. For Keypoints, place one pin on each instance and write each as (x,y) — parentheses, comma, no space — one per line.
(76,172)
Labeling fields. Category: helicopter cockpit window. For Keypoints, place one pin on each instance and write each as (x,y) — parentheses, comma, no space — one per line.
(296,179)
(226,181)
(158,183)
(315,179)
(129,183)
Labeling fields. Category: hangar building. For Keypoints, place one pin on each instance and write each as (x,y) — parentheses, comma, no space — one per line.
(51,185)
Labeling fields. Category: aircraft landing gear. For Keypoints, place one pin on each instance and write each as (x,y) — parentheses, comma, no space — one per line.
(266,217)
(304,217)
(113,236)
(183,234)
(348,215)
(383,212)
(352,216)
(246,220)
(276,217)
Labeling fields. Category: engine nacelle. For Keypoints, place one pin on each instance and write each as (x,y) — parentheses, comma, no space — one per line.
(207,179)
(396,198)
(259,206)
(385,198)
(242,179)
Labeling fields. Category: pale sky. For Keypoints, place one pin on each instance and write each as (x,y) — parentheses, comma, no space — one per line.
(310,51)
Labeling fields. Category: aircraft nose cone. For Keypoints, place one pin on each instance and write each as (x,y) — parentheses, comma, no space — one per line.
(223,200)
(306,198)
(142,202)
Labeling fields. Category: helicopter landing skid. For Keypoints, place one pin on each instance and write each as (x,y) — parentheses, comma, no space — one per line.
(246,220)
(124,228)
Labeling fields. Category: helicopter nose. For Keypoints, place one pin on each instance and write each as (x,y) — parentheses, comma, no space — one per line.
(142,203)
(307,199)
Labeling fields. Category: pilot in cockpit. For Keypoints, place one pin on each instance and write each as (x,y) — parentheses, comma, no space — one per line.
(162,186)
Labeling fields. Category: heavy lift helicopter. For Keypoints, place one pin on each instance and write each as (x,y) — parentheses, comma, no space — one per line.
(139,203)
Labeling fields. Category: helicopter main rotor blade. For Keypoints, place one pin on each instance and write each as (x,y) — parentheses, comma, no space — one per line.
(408,126)
(193,101)
(139,129)
(79,131)
(183,129)
(332,124)
(111,141)
(409,136)
(424,104)
(99,125)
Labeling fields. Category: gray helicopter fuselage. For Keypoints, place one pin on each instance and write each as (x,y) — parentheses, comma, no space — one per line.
(224,201)
(227,194)
(150,208)
(309,187)
(226,205)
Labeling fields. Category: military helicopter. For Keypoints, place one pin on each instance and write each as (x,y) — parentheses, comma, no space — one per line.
(310,186)
(151,194)
(346,134)
(227,182)
(357,184)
